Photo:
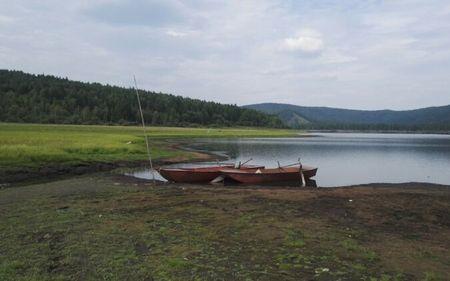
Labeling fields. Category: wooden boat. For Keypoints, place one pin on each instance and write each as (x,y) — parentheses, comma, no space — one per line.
(200,174)
(260,176)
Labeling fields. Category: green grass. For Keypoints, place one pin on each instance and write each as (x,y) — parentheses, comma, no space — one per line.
(34,145)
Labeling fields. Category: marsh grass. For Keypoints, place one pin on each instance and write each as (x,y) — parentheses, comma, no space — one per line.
(32,145)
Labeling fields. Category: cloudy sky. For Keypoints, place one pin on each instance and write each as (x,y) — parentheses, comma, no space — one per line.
(351,54)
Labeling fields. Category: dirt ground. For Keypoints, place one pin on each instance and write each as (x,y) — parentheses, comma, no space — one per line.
(111,227)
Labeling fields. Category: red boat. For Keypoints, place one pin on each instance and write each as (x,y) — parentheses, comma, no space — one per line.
(259,176)
(200,174)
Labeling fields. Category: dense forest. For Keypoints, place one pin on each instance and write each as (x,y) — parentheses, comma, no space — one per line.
(303,117)
(48,99)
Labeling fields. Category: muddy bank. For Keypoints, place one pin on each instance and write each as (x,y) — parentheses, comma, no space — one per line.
(129,179)
(83,225)
(26,175)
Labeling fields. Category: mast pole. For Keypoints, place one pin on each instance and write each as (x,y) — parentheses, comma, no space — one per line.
(144,129)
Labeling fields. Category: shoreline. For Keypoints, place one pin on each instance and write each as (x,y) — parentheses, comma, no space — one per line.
(187,154)
(129,179)
(29,176)
(48,150)
(26,176)
(382,132)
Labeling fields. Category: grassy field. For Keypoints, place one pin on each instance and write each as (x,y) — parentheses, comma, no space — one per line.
(32,145)
(109,227)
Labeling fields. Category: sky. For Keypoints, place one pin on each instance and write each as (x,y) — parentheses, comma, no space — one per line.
(348,54)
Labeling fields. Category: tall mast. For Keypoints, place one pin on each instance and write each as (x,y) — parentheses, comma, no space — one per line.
(144,129)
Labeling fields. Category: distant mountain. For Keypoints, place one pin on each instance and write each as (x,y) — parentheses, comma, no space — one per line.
(430,118)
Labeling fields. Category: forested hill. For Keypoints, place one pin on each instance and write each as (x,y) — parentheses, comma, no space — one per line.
(48,99)
(430,118)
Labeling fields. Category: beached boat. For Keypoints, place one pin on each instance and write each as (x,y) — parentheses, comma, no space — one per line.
(200,174)
(260,176)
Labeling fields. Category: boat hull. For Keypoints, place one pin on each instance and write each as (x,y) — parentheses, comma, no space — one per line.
(270,175)
(198,175)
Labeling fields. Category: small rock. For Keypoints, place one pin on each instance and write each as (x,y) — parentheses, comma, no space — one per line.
(47,236)
(321,270)
(100,216)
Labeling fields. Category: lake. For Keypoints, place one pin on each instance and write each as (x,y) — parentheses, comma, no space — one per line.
(348,158)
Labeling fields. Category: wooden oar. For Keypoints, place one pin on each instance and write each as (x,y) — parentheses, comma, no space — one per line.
(279,166)
(285,166)
(247,161)
(242,164)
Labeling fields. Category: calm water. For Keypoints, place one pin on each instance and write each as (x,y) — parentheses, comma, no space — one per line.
(342,158)
(349,158)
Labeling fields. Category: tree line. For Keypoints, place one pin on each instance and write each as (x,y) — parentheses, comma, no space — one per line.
(436,127)
(48,99)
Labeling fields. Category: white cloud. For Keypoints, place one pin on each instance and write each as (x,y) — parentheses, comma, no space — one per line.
(174,33)
(307,40)
(6,20)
